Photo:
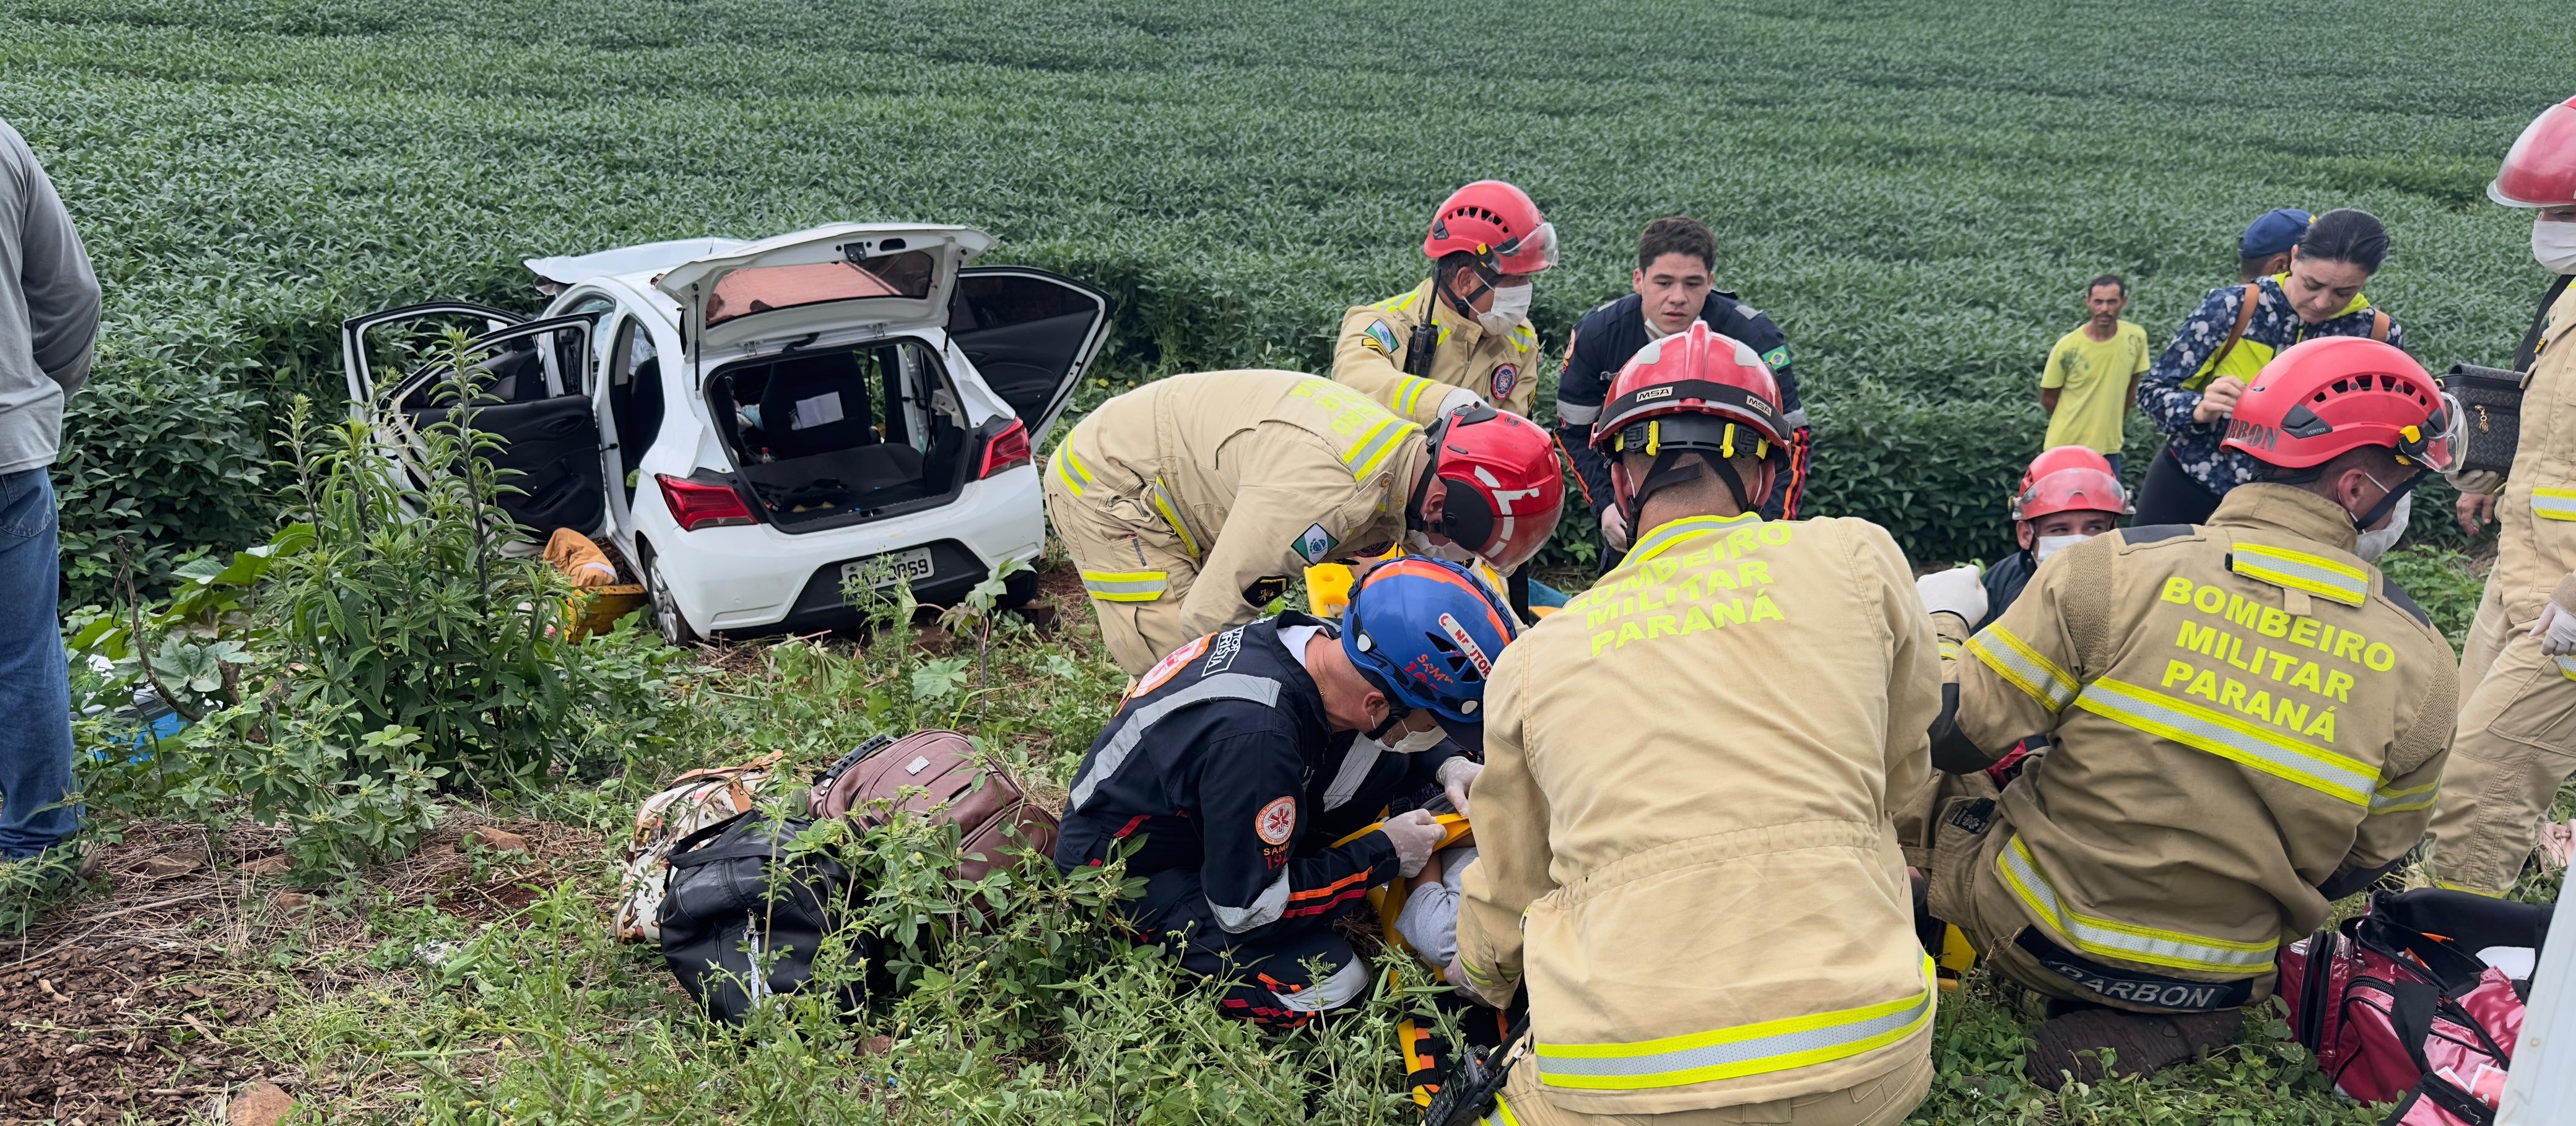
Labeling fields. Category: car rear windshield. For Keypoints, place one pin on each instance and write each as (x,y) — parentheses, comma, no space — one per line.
(760,289)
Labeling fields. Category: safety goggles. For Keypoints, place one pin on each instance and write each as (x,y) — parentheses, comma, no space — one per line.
(1538,246)
(2434,444)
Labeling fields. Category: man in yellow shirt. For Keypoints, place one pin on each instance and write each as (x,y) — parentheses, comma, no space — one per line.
(2092,374)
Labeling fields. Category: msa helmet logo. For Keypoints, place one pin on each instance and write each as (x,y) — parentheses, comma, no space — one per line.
(1662,392)
(1467,645)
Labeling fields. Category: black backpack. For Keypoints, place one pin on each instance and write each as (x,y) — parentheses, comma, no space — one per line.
(733,899)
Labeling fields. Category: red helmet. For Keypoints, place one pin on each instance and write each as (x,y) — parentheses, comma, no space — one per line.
(1503,486)
(1697,389)
(2069,479)
(1498,224)
(2540,169)
(2322,397)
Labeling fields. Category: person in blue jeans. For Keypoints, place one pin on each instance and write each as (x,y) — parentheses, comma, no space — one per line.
(49,302)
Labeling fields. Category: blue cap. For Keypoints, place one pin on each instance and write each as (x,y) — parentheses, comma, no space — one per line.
(2273,232)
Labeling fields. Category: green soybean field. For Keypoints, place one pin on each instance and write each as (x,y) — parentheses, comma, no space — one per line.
(1917,192)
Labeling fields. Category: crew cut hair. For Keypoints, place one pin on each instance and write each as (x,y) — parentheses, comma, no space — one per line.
(2112,280)
(2346,235)
(1677,234)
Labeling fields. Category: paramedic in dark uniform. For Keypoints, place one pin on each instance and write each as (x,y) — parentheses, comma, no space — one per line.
(1674,260)
(1236,763)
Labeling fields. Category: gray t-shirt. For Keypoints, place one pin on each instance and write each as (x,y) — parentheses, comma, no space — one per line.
(48,309)
(1430,917)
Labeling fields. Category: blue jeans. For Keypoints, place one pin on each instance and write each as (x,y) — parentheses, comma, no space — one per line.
(2116,464)
(35,678)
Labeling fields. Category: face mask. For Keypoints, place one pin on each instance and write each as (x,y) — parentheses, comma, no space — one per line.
(2553,245)
(2049,545)
(1511,307)
(1418,741)
(2375,544)
(1454,552)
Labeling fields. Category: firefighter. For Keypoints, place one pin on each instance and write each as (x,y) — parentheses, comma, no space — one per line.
(2516,744)
(1463,336)
(1234,764)
(2067,496)
(1188,503)
(1676,257)
(1684,823)
(2249,723)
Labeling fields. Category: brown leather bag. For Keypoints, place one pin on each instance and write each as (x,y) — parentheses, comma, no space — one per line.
(988,807)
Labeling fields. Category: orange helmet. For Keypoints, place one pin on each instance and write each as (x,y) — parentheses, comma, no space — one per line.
(1696,390)
(1497,223)
(2069,479)
(2540,169)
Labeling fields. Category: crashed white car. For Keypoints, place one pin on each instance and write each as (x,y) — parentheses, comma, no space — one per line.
(750,423)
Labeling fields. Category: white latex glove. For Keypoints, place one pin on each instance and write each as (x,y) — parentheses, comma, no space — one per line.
(1614,527)
(2556,628)
(1457,398)
(1414,832)
(1455,776)
(2479,481)
(1959,590)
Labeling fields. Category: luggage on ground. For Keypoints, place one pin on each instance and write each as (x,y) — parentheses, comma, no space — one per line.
(743,920)
(991,811)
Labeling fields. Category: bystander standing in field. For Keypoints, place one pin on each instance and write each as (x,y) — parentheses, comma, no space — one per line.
(48,320)
(2192,390)
(2092,374)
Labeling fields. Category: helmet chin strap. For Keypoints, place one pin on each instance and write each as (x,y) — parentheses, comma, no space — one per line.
(1668,470)
(1466,306)
(2386,503)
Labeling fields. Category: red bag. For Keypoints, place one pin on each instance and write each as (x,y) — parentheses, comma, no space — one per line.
(2397,1006)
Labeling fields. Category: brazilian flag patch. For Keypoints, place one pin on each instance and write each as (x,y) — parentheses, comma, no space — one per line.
(1380,336)
(1778,357)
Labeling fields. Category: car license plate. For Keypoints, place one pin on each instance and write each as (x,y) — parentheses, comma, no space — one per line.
(910,565)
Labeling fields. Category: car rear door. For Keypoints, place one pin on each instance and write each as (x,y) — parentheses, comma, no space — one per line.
(1030,334)
(547,425)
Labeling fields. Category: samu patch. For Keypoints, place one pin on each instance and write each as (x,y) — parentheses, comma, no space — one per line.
(1314,545)
(1171,664)
(1506,377)
(1380,337)
(1276,822)
(1778,357)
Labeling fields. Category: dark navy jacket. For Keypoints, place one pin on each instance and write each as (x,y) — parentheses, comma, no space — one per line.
(1613,332)
(1222,762)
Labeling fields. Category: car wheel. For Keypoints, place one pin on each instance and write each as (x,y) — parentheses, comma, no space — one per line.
(666,610)
(1019,590)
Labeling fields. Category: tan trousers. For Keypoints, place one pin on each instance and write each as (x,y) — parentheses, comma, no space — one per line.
(2516,745)
(1133,567)
(1884,1101)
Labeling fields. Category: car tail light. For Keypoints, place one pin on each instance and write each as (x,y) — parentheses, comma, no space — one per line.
(1006,450)
(702,504)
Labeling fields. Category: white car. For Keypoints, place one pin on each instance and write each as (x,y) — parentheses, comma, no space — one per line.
(748,423)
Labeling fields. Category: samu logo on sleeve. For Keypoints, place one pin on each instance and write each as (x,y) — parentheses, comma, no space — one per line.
(1276,821)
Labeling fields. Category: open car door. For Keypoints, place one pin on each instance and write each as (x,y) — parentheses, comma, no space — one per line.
(363,349)
(529,392)
(1031,334)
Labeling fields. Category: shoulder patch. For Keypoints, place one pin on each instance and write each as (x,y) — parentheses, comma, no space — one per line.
(1314,545)
(1276,821)
(1379,337)
(1506,377)
(2389,590)
(1169,667)
(2151,533)
(1264,591)
(1778,357)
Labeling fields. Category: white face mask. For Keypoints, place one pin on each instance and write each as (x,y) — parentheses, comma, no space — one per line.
(2553,245)
(2375,544)
(1421,544)
(2050,545)
(1419,741)
(1511,307)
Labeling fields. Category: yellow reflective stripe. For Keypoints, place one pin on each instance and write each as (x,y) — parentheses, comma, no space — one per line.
(2553,503)
(1070,470)
(1379,440)
(1172,516)
(1524,337)
(2399,801)
(1728,1053)
(2446,884)
(1444,335)
(2125,941)
(1400,302)
(2299,570)
(1409,395)
(1949,650)
(2014,660)
(1124,586)
(1502,1115)
(1671,532)
(2260,748)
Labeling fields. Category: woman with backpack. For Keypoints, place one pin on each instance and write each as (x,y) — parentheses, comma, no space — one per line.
(2192,390)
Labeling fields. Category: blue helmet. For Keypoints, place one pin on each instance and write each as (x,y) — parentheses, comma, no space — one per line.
(1427,632)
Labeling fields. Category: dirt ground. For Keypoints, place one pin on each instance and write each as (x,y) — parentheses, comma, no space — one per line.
(130,1000)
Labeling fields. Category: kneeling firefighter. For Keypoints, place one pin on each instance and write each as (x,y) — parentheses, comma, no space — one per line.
(1189,503)
(1236,760)
(2250,722)
(1684,829)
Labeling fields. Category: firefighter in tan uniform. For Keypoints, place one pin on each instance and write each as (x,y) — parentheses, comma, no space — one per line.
(1706,897)
(1423,356)
(1189,502)
(2516,743)
(2249,721)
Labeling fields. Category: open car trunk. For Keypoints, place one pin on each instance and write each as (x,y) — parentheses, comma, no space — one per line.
(841,436)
